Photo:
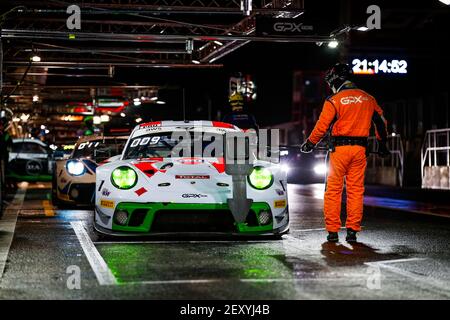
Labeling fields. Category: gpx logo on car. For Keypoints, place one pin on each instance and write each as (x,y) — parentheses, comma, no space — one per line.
(352,99)
(193,195)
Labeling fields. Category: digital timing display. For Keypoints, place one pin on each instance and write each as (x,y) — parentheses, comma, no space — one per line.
(365,66)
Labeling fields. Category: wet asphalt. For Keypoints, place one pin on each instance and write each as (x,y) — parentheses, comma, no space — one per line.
(400,255)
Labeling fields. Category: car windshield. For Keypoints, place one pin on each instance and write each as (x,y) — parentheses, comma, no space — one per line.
(178,144)
(99,150)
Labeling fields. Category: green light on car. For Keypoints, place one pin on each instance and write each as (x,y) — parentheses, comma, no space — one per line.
(261,178)
(124,178)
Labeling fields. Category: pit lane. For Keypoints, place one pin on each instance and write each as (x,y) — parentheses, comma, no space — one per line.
(400,255)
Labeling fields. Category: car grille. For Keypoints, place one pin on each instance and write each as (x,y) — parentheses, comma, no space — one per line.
(193,221)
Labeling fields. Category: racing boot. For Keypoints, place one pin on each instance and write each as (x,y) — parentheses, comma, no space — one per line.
(333,237)
(351,235)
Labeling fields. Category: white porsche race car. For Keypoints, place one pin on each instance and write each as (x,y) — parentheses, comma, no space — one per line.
(74,178)
(149,192)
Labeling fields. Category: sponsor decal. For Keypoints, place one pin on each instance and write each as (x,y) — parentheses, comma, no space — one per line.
(179,176)
(193,195)
(33,167)
(106,192)
(107,203)
(153,129)
(280,192)
(140,191)
(151,124)
(191,161)
(279,203)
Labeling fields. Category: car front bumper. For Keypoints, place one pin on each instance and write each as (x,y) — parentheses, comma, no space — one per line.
(176,218)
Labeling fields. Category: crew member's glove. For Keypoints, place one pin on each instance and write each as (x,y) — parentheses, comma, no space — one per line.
(307,147)
(383,150)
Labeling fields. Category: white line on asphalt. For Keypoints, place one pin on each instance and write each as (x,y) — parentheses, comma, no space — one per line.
(8,226)
(98,265)
(425,280)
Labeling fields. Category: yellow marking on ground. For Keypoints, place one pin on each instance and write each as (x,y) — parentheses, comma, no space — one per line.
(48,208)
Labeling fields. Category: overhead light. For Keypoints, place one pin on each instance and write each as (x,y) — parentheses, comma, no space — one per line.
(364,28)
(333,44)
(138,120)
(446,2)
(35,98)
(160,102)
(218,43)
(15,119)
(195,62)
(137,103)
(137,99)
(36,58)
(153,98)
(123,115)
(104,118)
(24,117)
(47,131)
(43,127)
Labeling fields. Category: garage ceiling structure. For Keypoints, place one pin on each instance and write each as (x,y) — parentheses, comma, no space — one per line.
(125,33)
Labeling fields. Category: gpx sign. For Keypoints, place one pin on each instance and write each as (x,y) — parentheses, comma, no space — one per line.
(290,27)
(282,26)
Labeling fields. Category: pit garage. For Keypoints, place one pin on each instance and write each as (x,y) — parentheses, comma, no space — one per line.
(95,206)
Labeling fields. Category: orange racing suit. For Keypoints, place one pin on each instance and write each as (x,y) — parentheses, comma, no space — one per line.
(350,112)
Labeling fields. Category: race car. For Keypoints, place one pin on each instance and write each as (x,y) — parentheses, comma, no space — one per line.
(74,178)
(29,160)
(151,192)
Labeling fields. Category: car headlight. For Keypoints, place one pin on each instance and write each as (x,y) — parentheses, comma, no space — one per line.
(124,177)
(261,178)
(320,169)
(75,168)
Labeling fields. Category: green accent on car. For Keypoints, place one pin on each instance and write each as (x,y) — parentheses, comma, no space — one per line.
(145,227)
(29,178)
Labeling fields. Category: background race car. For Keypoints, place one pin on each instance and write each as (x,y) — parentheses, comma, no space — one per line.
(304,168)
(150,191)
(74,178)
(30,160)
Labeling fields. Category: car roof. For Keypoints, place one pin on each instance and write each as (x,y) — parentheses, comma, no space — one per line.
(31,140)
(98,137)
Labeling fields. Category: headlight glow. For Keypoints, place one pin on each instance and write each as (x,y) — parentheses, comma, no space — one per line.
(124,178)
(75,168)
(285,168)
(320,169)
(261,178)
